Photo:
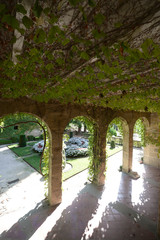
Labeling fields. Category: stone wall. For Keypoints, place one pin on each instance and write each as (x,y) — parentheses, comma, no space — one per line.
(151,151)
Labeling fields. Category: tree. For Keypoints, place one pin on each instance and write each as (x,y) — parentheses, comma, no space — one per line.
(140,129)
(18,129)
(77,123)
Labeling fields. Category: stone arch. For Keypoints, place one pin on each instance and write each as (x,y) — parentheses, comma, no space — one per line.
(144,119)
(138,156)
(91,125)
(39,119)
(126,148)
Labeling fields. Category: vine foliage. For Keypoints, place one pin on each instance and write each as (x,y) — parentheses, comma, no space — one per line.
(94,52)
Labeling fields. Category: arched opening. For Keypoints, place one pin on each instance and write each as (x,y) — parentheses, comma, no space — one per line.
(115,143)
(139,142)
(78,146)
(21,183)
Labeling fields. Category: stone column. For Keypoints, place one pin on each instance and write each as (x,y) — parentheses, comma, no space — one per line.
(99,152)
(55,169)
(127,147)
(158,224)
(151,151)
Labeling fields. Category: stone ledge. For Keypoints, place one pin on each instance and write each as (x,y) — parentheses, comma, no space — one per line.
(132,174)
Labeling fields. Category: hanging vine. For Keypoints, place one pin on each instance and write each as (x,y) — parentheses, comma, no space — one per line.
(93,149)
(72,51)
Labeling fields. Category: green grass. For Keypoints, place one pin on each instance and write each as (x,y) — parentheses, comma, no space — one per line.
(34,161)
(21,151)
(78,164)
(110,152)
(31,143)
(5,141)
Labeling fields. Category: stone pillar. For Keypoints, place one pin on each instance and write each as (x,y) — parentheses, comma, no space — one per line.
(151,151)
(55,169)
(127,147)
(158,224)
(99,152)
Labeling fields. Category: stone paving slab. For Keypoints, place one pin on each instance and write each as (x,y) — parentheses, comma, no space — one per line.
(123,209)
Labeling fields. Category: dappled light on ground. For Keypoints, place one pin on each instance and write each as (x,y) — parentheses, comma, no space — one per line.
(124,208)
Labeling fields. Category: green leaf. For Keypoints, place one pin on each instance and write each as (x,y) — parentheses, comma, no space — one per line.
(91,3)
(84,55)
(37,9)
(33,52)
(52,34)
(118,24)
(53,19)
(145,46)
(27,22)
(21,30)
(74,2)
(99,19)
(21,9)
(46,10)
(97,34)
(65,41)
(101,75)
(2,7)
(10,20)
(40,36)
(60,61)
(49,66)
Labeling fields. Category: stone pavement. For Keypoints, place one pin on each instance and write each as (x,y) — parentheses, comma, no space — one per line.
(123,209)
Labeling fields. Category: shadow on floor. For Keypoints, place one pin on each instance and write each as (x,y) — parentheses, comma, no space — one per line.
(74,219)
(29,223)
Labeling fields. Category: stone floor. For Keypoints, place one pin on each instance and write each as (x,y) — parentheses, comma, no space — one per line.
(123,209)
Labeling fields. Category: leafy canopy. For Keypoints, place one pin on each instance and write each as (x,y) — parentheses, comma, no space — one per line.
(81,51)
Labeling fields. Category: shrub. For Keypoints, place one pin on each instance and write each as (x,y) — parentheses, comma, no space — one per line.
(41,137)
(77,147)
(113,131)
(5,141)
(76,152)
(14,139)
(112,145)
(22,141)
(30,138)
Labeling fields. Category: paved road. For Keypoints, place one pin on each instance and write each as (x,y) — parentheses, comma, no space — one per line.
(21,188)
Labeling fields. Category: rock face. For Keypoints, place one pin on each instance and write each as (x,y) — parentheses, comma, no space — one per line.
(76,147)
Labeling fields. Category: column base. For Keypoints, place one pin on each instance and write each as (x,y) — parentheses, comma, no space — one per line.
(132,174)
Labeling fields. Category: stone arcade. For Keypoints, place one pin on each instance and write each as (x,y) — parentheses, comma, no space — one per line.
(57,116)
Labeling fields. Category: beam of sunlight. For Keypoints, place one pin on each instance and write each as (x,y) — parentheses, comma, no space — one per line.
(50,222)
(138,185)
(94,222)
(138,192)
(110,193)
(3,149)
(16,199)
